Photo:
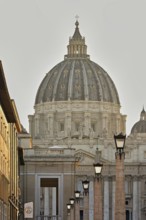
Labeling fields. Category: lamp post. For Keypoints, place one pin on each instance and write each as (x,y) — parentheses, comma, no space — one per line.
(98,212)
(72,200)
(77,205)
(120,178)
(85,184)
(68,210)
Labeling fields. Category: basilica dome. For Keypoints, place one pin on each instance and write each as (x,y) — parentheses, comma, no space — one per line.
(77,77)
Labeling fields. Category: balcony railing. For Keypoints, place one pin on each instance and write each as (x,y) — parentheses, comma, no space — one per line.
(48,217)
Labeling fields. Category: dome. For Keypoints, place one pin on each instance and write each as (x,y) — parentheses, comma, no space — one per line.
(140,126)
(77,77)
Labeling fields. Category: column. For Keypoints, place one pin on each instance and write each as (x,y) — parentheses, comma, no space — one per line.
(106,198)
(68,216)
(50,124)
(139,199)
(91,202)
(68,124)
(120,187)
(72,213)
(30,117)
(104,121)
(86,123)
(135,199)
(118,124)
(113,198)
(37,125)
(85,185)
(46,201)
(126,186)
(77,210)
(86,206)
(98,213)
(53,200)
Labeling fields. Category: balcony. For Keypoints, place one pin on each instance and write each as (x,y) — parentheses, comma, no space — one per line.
(48,217)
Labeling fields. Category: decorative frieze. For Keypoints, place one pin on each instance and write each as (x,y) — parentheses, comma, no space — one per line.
(68,105)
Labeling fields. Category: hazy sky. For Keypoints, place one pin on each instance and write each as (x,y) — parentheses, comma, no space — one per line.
(34,35)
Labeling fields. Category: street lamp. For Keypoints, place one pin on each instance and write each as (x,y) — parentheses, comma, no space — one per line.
(77,195)
(85,184)
(72,200)
(77,205)
(120,142)
(120,177)
(68,210)
(98,169)
(98,213)
(68,206)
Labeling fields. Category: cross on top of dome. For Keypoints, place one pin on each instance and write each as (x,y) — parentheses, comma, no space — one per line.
(77,17)
(77,23)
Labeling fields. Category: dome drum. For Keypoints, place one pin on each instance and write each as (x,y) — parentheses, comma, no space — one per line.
(75,120)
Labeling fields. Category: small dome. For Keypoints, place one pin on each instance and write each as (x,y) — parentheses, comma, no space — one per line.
(77,77)
(140,126)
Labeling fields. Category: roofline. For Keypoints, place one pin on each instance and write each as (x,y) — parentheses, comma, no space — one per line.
(18,123)
(7,104)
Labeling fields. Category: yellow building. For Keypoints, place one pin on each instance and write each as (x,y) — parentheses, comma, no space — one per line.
(9,176)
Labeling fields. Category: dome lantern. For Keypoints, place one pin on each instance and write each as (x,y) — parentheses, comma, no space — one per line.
(143,114)
(77,46)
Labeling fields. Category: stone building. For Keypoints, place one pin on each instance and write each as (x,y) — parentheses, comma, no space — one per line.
(9,173)
(76,112)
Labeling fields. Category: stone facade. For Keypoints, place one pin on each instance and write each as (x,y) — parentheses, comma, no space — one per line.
(70,166)
(66,131)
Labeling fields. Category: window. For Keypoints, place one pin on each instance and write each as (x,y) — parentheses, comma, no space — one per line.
(77,125)
(61,126)
(127,215)
(93,126)
(81,214)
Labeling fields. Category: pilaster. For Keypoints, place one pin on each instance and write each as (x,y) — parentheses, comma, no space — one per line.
(106,198)
(135,198)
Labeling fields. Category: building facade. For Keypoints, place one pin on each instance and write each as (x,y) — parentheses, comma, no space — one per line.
(9,128)
(76,112)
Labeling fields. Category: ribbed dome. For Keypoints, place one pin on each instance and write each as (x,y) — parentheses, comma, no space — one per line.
(140,126)
(77,77)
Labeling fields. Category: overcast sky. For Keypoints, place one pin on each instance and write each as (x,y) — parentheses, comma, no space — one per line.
(34,35)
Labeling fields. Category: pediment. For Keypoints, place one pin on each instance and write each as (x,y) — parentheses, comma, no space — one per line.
(84,157)
(87,158)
